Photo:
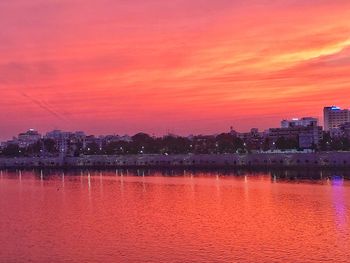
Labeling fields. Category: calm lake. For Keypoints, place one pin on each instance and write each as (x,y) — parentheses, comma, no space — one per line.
(145,216)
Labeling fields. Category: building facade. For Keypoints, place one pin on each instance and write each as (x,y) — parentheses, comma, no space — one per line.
(307,137)
(304,122)
(28,138)
(345,130)
(334,117)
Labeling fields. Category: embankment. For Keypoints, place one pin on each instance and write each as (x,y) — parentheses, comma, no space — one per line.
(268,160)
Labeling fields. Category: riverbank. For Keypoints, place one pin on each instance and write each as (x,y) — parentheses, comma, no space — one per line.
(270,160)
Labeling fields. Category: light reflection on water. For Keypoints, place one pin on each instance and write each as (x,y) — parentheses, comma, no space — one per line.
(174,216)
(337,183)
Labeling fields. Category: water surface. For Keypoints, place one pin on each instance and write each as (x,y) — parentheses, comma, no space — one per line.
(120,216)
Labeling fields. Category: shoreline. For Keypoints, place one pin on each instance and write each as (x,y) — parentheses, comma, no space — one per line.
(188,161)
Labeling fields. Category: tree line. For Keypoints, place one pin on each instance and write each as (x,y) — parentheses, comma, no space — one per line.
(143,143)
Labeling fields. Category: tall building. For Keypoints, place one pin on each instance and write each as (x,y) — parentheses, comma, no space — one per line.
(303,122)
(334,117)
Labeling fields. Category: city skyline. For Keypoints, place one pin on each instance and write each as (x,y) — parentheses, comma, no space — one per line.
(283,123)
(116,133)
(179,66)
(334,116)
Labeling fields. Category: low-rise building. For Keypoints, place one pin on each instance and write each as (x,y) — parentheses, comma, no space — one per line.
(345,130)
(306,136)
(28,138)
(304,122)
(254,139)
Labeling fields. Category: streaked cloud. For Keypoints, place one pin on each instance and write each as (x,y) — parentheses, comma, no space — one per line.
(159,65)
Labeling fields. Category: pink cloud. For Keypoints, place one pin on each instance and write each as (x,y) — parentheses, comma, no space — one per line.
(160,65)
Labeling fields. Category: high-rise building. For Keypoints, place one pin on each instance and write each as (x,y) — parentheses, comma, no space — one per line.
(334,117)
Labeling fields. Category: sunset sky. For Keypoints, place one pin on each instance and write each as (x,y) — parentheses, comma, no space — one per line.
(180,66)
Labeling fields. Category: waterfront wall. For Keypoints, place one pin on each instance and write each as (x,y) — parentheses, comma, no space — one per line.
(323,159)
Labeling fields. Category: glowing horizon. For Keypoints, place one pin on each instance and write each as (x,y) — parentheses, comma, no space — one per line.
(187,67)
